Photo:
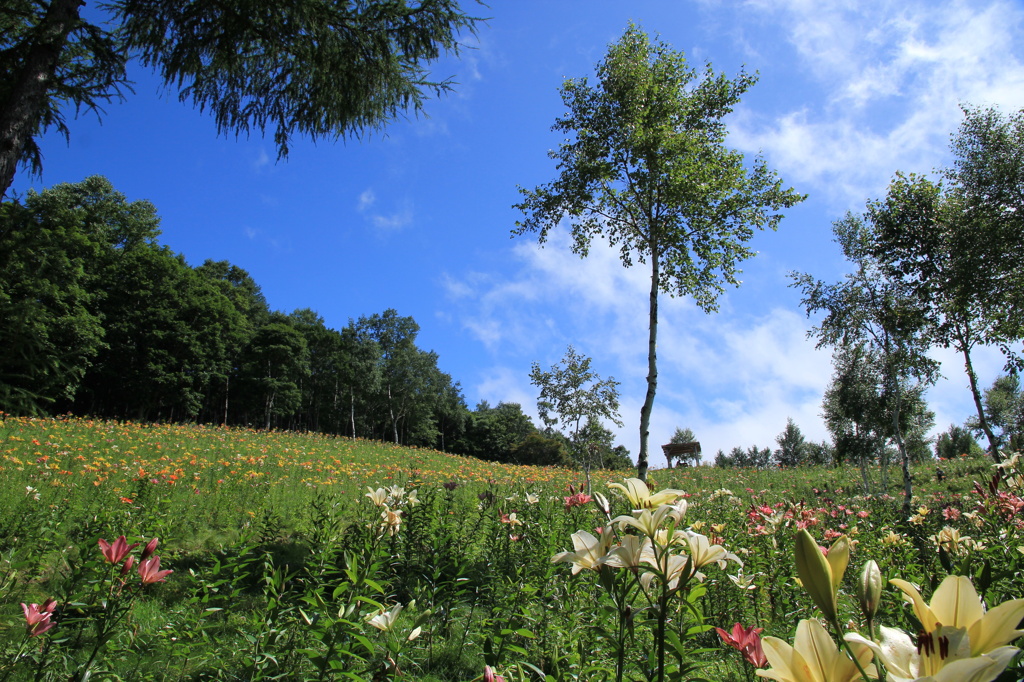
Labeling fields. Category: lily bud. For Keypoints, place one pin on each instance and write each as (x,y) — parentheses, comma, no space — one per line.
(816,574)
(150,547)
(838,558)
(869,589)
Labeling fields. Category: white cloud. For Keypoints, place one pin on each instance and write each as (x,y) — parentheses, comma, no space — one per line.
(733,378)
(385,222)
(894,75)
(262,160)
(367,199)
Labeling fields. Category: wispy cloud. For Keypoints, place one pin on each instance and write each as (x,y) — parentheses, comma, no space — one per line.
(261,161)
(893,77)
(384,221)
(737,380)
(734,377)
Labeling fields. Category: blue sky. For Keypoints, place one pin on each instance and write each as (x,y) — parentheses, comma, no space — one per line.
(419,218)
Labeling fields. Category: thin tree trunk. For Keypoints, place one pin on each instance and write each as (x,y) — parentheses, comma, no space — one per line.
(972,377)
(21,110)
(391,413)
(652,367)
(908,483)
(227,391)
(352,409)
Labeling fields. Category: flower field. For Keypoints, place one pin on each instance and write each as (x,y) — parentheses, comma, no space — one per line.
(155,552)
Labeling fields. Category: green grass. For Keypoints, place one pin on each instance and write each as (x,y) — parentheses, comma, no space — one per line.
(279,557)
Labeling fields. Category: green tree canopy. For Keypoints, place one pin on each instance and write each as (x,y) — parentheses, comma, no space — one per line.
(57,248)
(682,435)
(956,245)
(571,394)
(647,168)
(495,433)
(872,309)
(309,67)
(792,450)
(956,441)
(1003,404)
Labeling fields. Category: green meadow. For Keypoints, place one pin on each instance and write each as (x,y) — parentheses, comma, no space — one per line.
(306,557)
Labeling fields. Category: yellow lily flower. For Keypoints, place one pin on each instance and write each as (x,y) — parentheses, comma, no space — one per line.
(704,553)
(943,655)
(648,522)
(956,604)
(379,496)
(590,551)
(639,495)
(675,568)
(631,552)
(813,657)
(391,520)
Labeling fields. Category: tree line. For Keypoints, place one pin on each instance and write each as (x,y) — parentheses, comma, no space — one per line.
(98,318)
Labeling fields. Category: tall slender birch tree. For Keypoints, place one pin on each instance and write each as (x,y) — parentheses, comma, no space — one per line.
(647,168)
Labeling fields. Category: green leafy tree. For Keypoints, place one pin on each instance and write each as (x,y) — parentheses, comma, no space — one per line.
(450,415)
(954,244)
(956,442)
(1003,408)
(572,396)
(852,409)
(751,458)
(821,454)
(252,312)
(986,178)
(792,450)
(598,444)
(50,59)
(273,367)
(540,450)
(167,329)
(495,433)
(310,67)
(683,436)
(402,365)
(426,385)
(49,321)
(56,251)
(322,346)
(358,370)
(647,168)
(858,408)
(869,307)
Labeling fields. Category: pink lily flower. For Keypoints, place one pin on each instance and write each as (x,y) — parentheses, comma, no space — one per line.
(490,676)
(748,642)
(116,551)
(37,617)
(149,571)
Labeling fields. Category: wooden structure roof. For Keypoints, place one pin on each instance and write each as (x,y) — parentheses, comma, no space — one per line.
(682,453)
(675,450)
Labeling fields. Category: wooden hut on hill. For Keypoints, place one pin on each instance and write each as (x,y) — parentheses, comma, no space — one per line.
(685,454)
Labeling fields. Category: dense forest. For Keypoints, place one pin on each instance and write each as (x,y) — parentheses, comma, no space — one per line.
(98,318)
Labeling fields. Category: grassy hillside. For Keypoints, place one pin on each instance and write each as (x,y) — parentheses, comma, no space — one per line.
(299,556)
